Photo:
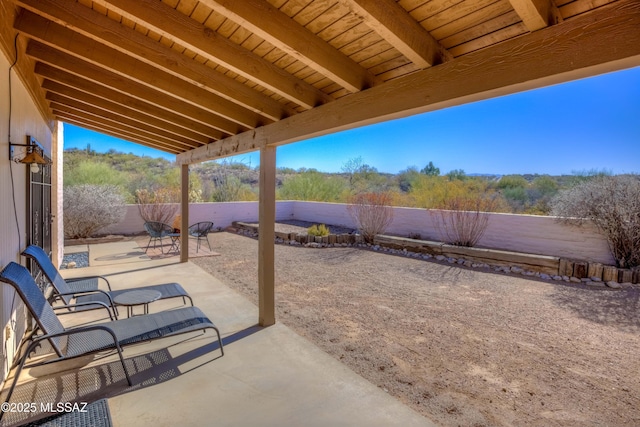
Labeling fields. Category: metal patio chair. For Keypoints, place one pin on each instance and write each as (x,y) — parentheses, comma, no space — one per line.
(201,231)
(158,231)
(85,289)
(68,343)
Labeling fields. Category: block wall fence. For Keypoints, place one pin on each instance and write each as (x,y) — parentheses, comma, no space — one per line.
(533,234)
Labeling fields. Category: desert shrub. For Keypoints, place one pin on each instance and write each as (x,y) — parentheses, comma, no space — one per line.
(434,192)
(456,174)
(172,179)
(465,219)
(159,205)
(88,208)
(612,203)
(94,173)
(97,173)
(406,178)
(229,188)
(542,190)
(311,185)
(372,213)
(318,230)
(514,189)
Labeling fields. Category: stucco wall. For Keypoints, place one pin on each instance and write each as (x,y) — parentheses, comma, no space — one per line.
(25,120)
(222,215)
(522,233)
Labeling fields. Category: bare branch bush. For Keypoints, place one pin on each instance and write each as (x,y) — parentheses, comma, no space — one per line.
(159,205)
(464,220)
(372,213)
(88,208)
(612,203)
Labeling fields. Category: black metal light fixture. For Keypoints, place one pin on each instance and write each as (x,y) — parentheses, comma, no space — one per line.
(33,154)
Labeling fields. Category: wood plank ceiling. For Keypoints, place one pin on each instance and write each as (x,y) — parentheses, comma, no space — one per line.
(179,75)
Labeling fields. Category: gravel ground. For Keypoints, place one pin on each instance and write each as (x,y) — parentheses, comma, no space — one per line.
(80,258)
(463,347)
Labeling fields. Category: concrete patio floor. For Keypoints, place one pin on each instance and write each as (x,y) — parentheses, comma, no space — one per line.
(267,377)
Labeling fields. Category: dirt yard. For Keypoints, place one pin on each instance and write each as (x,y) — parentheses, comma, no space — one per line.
(463,347)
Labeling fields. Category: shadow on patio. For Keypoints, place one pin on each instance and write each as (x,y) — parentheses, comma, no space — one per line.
(267,377)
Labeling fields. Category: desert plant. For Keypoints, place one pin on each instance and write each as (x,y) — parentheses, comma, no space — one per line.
(172,180)
(159,205)
(229,188)
(311,185)
(372,213)
(318,230)
(88,208)
(430,170)
(95,173)
(465,219)
(612,203)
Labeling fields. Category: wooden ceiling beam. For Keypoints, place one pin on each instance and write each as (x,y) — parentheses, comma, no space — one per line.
(111,131)
(115,117)
(394,24)
(14,50)
(128,41)
(98,75)
(536,14)
(269,23)
(167,119)
(194,139)
(189,33)
(604,40)
(80,110)
(80,46)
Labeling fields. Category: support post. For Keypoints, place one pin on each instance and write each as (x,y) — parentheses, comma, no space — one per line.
(184,212)
(266,236)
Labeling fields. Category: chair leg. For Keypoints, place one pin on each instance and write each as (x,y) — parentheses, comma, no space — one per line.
(148,244)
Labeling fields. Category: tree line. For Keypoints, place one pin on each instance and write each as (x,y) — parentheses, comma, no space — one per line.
(93,180)
(223,181)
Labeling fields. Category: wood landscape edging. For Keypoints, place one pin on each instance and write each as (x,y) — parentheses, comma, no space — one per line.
(555,267)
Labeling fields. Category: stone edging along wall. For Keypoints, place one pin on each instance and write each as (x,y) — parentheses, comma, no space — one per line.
(545,267)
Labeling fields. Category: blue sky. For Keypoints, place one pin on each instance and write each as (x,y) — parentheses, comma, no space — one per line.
(582,125)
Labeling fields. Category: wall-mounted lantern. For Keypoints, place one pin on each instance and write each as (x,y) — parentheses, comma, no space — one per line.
(32,154)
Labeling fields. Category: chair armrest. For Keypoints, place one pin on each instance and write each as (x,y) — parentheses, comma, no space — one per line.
(96,291)
(88,304)
(77,279)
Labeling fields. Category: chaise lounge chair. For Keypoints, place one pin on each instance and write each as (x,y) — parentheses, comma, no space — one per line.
(68,343)
(85,290)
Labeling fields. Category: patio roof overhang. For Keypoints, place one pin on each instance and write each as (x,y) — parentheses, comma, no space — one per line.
(205,79)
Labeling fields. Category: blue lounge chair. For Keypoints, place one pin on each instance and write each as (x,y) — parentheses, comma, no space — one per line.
(85,290)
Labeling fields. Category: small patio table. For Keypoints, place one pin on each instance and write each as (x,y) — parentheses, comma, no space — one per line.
(139,297)
(175,241)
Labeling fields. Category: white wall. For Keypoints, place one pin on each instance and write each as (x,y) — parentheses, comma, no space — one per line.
(533,234)
(25,120)
(521,233)
(222,215)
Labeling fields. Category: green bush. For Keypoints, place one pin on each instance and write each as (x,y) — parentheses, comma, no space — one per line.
(318,230)
(312,186)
